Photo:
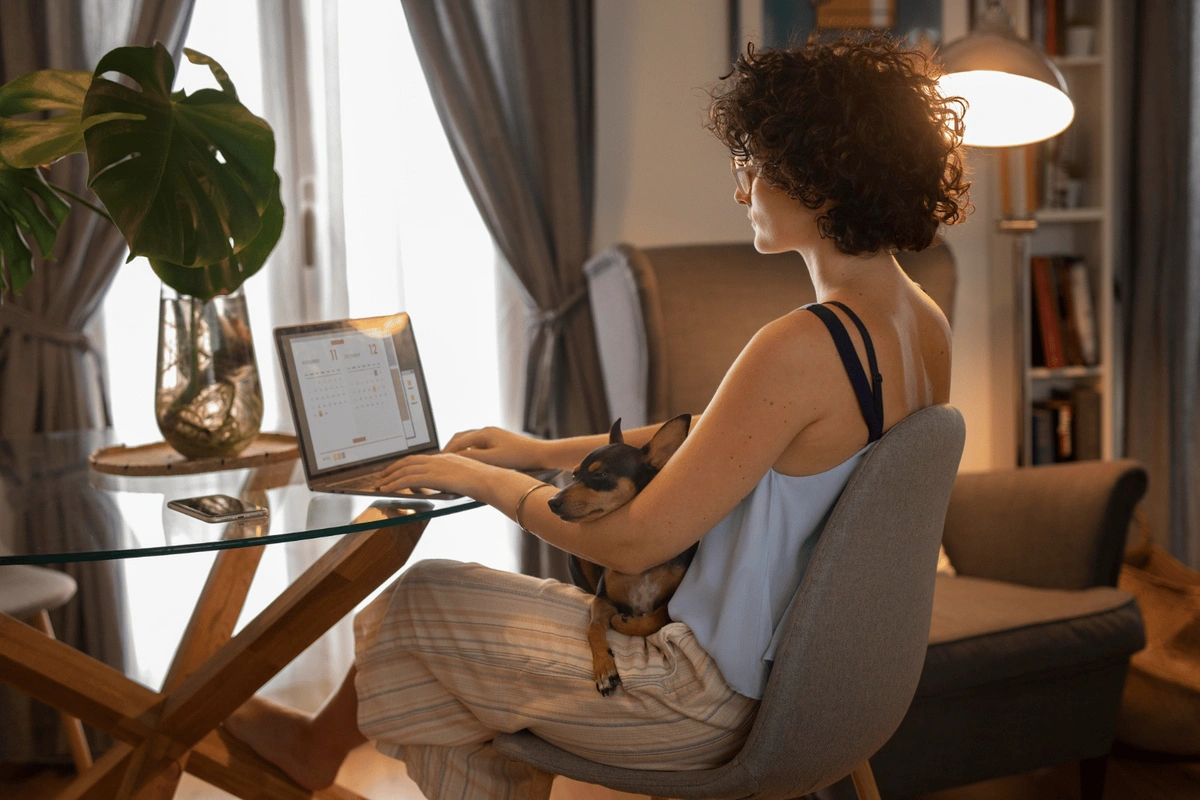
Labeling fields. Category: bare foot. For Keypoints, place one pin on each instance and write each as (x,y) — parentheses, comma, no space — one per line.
(284,737)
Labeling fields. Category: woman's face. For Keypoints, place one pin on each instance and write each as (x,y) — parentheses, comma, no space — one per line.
(780,223)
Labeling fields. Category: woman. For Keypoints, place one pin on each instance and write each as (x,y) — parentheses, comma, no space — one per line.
(843,152)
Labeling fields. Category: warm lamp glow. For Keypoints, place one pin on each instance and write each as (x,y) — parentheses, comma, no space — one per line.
(1006,110)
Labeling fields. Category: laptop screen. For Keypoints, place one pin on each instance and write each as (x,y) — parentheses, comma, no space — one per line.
(357,391)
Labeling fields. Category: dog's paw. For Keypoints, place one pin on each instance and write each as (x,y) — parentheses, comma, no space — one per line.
(605,670)
(607,683)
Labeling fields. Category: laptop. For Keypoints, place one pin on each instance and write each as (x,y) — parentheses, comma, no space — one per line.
(359,402)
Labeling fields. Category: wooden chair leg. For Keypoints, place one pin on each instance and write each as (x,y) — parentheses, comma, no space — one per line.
(864,782)
(1091,777)
(80,752)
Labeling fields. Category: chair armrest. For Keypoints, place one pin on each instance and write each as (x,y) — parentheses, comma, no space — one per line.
(1059,526)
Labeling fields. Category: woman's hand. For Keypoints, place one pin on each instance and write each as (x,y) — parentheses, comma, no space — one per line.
(500,448)
(443,472)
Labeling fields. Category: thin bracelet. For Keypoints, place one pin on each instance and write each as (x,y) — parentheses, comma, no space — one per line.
(521,502)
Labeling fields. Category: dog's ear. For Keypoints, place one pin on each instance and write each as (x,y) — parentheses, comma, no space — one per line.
(614,434)
(667,439)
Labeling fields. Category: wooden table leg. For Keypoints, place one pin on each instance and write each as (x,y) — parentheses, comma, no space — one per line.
(324,594)
(209,629)
(81,754)
(232,766)
(212,675)
(64,678)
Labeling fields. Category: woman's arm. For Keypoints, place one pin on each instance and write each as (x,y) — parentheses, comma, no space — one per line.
(503,448)
(773,391)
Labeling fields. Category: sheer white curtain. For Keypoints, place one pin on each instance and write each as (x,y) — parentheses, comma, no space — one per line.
(401,233)
(414,241)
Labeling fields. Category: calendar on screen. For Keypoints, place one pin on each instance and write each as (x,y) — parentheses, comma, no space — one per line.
(359,397)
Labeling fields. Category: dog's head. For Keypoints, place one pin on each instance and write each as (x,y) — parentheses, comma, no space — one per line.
(610,476)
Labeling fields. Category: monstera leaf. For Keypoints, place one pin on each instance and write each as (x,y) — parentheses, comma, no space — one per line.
(188,179)
(22,219)
(35,142)
(223,277)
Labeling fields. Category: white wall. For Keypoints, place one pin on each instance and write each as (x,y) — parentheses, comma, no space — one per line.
(663,179)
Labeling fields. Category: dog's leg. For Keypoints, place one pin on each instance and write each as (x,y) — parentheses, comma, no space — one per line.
(603,666)
(642,625)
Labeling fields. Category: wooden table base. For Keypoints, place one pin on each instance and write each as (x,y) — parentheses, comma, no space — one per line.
(162,734)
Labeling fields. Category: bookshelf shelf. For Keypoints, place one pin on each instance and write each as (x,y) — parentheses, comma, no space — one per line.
(1050,216)
(1065,262)
(1071,62)
(1047,374)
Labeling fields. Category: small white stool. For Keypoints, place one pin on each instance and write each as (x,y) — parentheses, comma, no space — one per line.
(29,593)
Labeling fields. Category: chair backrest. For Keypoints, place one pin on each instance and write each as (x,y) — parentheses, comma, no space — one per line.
(856,632)
(671,320)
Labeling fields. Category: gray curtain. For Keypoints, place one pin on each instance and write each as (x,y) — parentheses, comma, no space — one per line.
(512,82)
(51,377)
(1162,277)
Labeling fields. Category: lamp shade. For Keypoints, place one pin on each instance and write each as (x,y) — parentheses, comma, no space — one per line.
(1015,95)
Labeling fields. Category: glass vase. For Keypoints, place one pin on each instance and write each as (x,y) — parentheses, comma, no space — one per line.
(208,399)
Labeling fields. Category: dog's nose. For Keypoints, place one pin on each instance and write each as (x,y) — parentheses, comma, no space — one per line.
(555,503)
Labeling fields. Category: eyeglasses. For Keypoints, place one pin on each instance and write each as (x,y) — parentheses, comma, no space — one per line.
(744,174)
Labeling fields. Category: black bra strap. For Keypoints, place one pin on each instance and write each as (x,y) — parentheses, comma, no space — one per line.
(876,378)
(870,395)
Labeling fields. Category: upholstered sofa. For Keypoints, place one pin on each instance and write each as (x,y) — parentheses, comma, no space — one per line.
(1030,642)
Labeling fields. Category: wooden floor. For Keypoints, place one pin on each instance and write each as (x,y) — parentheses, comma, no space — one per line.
(380,778)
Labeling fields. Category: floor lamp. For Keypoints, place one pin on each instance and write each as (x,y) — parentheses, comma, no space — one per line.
(1015,96)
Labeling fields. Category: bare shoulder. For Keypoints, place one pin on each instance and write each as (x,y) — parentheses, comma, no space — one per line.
(785,366)
(792,340)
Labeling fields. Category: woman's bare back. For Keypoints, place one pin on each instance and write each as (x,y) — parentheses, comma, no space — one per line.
(912,345)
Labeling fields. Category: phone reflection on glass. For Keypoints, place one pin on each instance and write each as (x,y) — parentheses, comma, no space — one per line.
(217,508)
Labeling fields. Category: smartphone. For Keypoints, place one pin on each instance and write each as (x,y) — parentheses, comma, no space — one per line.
(217,508)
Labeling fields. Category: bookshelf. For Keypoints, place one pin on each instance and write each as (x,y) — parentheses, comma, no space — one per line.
(1050,235)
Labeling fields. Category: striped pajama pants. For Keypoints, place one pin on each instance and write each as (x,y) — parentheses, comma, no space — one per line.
(452,654)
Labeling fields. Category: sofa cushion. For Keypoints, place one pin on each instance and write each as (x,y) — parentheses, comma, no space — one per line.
(986,631)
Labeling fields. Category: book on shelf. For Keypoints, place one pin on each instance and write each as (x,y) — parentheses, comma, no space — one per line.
(1045,312)
(1087,419)
(1047,25)
(1037,23)
(1062,429)
(1083,310)
(1043,436)
(1072,351)
(1067,426)
(1053,23)
(1063,320)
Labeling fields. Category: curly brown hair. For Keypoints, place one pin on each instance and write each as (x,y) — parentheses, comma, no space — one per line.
(855,127)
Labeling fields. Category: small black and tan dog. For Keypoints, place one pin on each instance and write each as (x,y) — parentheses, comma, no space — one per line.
(608,478)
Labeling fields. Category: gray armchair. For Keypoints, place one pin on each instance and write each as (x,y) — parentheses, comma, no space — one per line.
(1029,644)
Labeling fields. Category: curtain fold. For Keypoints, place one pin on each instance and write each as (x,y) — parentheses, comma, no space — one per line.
(51,375)
(512,82)
(306,272)
(1162,277)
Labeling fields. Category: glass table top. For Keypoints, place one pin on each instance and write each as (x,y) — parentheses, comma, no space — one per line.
(54,508)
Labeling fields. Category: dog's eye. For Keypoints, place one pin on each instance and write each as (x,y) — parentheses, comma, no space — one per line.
(600,474)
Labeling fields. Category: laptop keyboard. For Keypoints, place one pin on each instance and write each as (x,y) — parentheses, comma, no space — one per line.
(370,483)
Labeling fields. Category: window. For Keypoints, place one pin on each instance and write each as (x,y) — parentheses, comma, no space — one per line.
(414,241)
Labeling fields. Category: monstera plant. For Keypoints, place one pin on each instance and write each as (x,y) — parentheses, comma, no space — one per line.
(189,181)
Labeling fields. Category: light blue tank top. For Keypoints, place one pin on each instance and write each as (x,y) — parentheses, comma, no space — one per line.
(748,567)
